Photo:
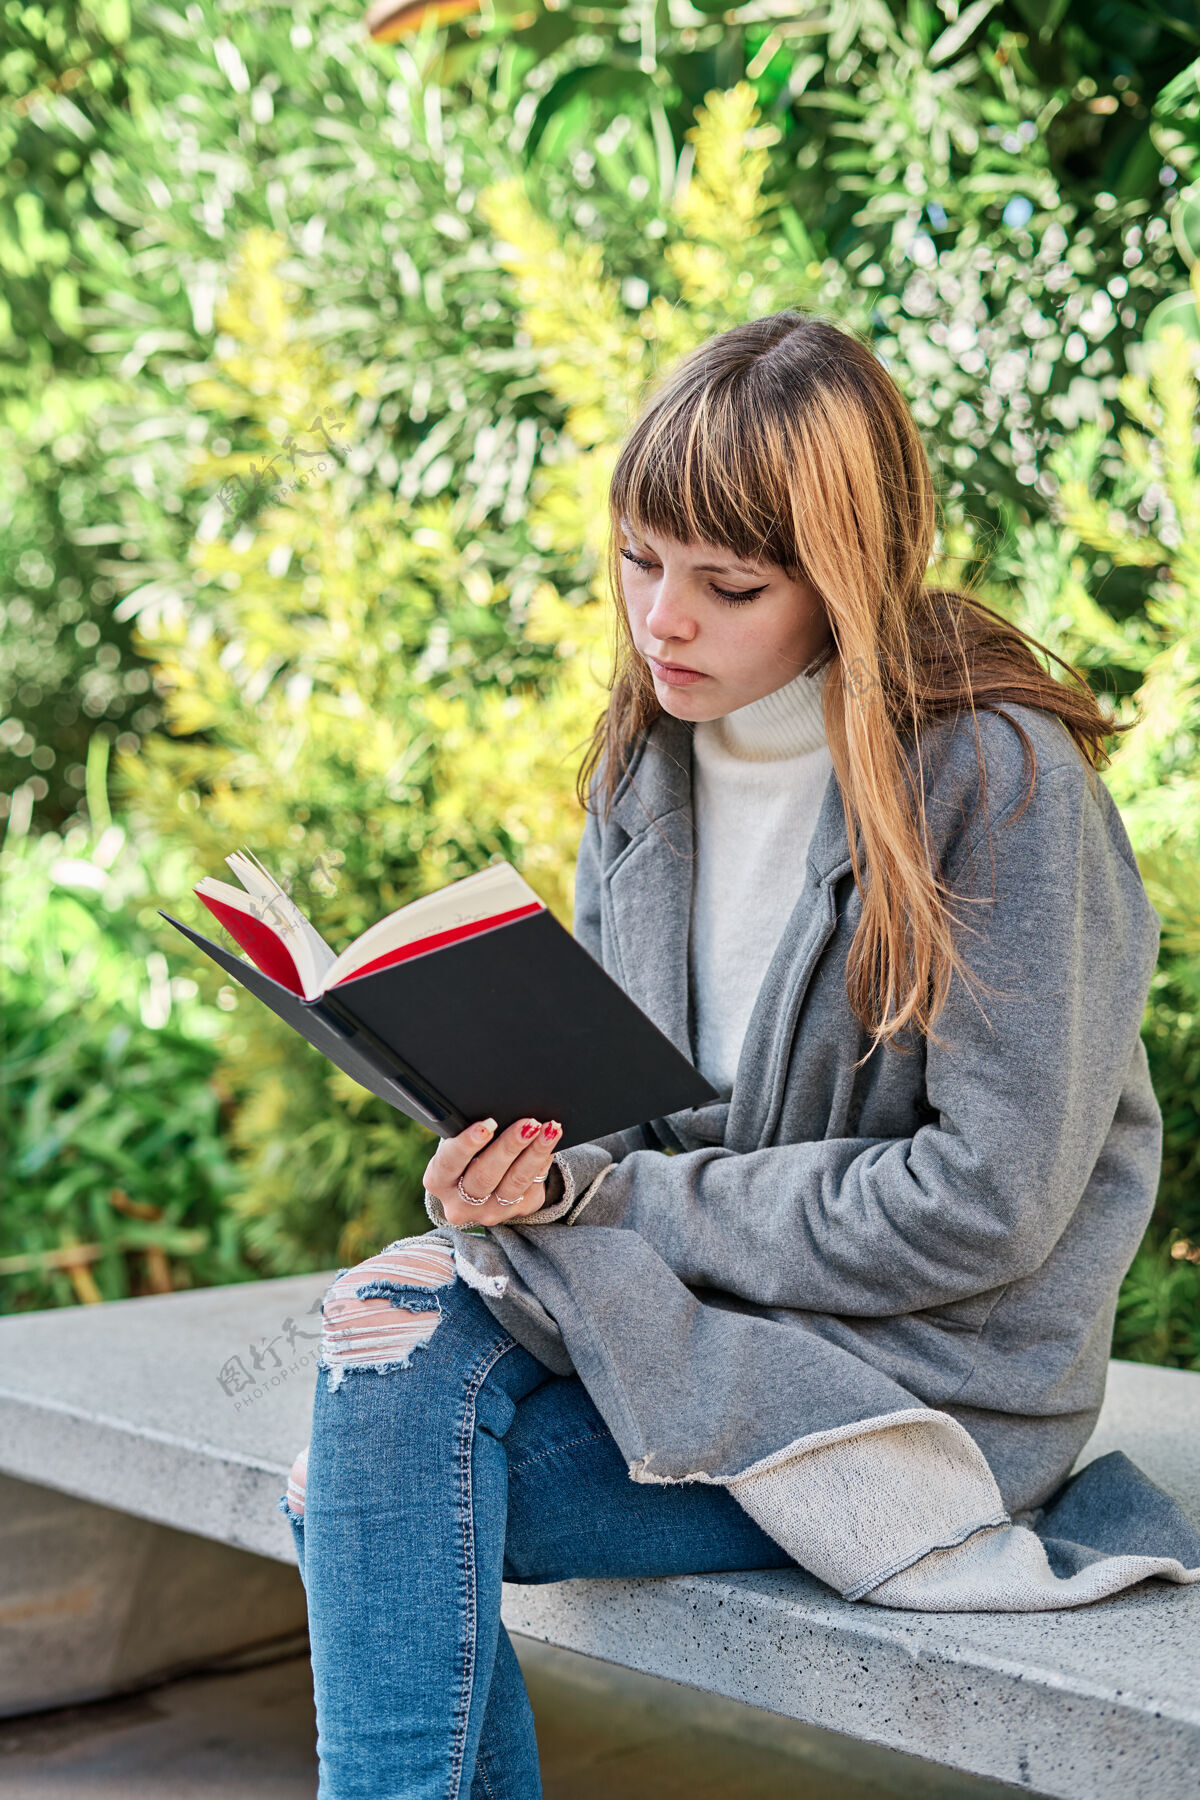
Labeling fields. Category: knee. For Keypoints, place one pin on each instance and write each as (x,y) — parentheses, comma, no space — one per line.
(377,1313)
(292,1504)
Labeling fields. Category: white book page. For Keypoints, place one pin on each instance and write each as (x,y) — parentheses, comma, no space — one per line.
(496,889)
(312,956)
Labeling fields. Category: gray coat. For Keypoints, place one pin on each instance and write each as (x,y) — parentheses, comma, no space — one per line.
(945,1227)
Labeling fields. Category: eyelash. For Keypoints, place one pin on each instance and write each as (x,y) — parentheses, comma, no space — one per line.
(742,599)
(736,599)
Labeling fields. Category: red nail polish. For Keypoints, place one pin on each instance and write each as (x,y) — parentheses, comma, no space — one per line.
(530,1129)
(551,1131)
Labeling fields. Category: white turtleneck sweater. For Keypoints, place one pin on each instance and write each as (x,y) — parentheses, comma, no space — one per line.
(760,775)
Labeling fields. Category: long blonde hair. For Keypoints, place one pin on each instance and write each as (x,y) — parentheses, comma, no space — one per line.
(786,440)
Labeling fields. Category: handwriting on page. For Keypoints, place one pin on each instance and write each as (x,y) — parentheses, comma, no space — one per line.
(276,912)
(273,913)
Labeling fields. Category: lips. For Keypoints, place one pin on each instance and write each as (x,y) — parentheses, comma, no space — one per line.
(674,674)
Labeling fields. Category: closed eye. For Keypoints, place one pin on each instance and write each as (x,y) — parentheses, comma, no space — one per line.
(731,596)
(736,599)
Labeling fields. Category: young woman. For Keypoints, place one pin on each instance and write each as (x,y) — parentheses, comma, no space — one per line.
(847,847)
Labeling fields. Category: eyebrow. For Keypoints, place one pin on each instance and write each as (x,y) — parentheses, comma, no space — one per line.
(706,568)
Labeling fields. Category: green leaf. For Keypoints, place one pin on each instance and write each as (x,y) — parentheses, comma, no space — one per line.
(1185,225)
(960,33)
(617,82)
(1178,310)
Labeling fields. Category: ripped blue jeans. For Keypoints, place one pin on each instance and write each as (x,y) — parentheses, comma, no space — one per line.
(444,1459)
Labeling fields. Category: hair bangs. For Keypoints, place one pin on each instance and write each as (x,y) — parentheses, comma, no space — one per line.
(703,467)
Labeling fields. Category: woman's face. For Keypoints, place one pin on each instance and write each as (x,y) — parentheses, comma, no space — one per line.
(716,632)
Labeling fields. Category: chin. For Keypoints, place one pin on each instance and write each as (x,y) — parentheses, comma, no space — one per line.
(686,703)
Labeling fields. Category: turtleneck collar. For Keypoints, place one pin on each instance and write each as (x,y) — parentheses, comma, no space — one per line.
(789,722)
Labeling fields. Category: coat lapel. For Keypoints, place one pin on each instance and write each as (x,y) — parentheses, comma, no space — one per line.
(650,882)
(650,895)
(829,852)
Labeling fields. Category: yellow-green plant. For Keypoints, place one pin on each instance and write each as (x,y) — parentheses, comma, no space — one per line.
(297,656)
(723,262)
(1149,519)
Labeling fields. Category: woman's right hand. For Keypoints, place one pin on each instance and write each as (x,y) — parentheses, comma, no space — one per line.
(509,1168)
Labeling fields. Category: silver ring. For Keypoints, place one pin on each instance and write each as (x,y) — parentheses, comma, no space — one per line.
(471,1199)
(537,1181)
(500,1202)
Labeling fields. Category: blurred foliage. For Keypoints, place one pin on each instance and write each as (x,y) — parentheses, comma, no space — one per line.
(984,189)
(311,655)
(151,163)
(1149,518)
(117,1172)
(722,253)
(982,182)
(315,358)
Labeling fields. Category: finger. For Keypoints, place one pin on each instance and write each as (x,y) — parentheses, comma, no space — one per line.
(532,1163)
(493,1162)
(453,1155)
(492,1213)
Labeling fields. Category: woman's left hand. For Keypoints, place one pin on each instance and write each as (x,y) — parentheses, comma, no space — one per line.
(510,1170)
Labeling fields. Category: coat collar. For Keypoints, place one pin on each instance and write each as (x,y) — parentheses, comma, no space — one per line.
(659,783)
(659,779)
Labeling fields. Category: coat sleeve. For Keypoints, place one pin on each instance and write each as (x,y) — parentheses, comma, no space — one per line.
(1023,1077)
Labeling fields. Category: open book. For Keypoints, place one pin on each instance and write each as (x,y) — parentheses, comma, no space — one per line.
(469,1003)
(275,934)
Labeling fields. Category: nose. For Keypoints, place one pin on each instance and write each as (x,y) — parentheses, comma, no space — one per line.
(669,618)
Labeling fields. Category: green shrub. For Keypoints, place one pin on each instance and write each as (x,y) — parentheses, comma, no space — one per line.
(1142,511)
(980,188)
(326,659)
(327,671)
(117,1170)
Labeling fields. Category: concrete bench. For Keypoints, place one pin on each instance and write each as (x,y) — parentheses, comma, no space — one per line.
(184,1413)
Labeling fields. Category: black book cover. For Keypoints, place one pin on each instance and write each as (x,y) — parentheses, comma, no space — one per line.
(519,1019)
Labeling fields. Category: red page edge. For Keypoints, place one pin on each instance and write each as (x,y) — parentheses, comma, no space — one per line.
(262,945)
